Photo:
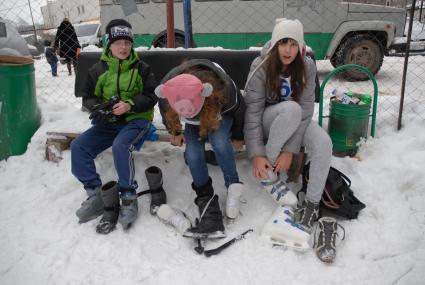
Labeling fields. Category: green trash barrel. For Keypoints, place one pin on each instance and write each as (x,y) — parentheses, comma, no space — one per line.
(347,124)
(19,114)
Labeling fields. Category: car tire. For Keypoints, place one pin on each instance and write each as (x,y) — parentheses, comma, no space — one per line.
(364,50)
(178,41)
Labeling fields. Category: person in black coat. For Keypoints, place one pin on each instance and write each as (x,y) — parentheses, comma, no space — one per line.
(66,42)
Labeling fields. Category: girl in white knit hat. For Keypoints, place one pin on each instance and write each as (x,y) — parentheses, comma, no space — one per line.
(279,97)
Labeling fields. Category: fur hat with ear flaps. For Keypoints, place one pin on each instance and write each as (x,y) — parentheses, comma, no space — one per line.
(285,28)
(185,94)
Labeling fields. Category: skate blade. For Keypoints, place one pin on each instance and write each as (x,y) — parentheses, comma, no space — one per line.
(298,246)
(214,235)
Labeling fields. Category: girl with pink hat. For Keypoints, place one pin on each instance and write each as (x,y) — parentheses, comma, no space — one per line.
(201,95)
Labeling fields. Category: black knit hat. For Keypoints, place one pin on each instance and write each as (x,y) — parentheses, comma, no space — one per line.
(118,29)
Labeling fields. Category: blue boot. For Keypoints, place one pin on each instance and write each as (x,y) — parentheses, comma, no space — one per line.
(129,207)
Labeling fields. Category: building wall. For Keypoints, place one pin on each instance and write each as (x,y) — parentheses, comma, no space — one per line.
(76,11)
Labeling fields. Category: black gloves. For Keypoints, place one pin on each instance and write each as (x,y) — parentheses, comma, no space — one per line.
(102,113)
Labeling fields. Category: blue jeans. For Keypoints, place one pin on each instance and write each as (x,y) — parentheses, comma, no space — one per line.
(122,138)
(221,143)
(54,67)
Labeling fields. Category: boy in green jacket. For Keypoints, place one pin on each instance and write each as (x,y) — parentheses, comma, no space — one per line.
(119,92)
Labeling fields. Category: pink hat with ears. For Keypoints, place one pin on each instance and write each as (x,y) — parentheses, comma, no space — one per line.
(185,94)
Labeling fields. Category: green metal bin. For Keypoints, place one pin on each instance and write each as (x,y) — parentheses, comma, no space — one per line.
(349,122)
(19,114)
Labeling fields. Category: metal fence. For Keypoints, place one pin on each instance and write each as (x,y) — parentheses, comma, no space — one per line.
(337,33)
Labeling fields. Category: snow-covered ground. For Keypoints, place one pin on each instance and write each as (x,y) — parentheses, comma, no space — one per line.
(42,243)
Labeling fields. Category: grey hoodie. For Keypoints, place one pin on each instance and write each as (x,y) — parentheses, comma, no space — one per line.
(255,99)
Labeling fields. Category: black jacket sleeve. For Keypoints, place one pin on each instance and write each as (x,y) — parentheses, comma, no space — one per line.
(146,99)
(89,98)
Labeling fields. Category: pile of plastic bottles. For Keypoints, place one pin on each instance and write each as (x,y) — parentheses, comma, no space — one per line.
(350,97)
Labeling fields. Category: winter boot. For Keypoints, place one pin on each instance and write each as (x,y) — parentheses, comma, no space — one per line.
(307,214)
(279,190)
(129,207)
(111,200)
(234,193)
(154,177)
(173,217)
(92,207)
(281,230)
(211,219)
(324,242)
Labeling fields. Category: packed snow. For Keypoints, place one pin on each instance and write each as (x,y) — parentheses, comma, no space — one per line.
(41,241)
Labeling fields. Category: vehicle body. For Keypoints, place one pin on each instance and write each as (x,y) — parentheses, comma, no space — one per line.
(11,42)
(88,33)
(35,45)
(343,32)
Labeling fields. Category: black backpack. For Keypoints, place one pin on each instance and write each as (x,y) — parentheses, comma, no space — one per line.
(337,196)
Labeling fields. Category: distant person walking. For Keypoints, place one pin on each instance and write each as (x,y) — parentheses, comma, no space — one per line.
(51,57)
(66,42)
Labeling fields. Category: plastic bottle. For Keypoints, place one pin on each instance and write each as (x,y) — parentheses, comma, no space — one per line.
(365,99)
(333,94)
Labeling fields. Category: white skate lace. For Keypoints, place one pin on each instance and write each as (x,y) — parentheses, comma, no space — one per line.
(205,208)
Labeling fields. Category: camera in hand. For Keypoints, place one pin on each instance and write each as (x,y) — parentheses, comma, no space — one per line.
(102,113)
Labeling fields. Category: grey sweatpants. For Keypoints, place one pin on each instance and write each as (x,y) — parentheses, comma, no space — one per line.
(280,121)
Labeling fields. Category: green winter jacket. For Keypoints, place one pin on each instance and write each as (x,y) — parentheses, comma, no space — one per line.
(131,80)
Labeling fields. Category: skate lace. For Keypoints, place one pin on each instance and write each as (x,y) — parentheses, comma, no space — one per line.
(307,214)
(330,232)
(205,208)
(280,190)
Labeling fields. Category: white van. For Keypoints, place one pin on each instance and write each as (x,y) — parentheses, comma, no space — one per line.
(11,42)
(88,33)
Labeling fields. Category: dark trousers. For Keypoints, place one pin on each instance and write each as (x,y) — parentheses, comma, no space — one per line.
(122,138)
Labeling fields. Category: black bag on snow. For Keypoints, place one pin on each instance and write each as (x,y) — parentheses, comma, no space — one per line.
(337,196)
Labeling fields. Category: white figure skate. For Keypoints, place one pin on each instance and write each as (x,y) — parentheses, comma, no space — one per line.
(279,190)
(281,230)
(173,217)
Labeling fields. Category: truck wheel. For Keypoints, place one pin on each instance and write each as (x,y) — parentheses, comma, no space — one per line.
(363,50)
(162,41)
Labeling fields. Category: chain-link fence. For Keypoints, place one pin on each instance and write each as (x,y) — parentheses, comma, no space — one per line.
(336,32)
